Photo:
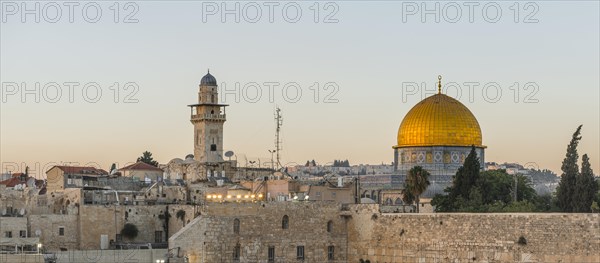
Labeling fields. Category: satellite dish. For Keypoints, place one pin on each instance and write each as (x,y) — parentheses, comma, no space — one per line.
(228,153)
(22,211)
(38,232)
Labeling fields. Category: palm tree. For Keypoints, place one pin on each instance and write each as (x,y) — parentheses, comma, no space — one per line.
(417,181)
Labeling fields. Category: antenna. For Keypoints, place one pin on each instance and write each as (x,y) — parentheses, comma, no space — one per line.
(278,123)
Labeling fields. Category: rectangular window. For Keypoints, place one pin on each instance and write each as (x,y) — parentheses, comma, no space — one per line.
(300,252)
(213,147)
(8,234)
(271,254)
(22,233)
(330,253)
(61,231)
(158,236)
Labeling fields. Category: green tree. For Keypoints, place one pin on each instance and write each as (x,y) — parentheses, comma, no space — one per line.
(586,187)
(112,168)
(417,181)
(466,177)
(407,196)
(130,231)
(570,170)
(147,158)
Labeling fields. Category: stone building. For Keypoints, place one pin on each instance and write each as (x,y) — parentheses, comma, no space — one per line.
(143,172)
(263,232)
(61,177)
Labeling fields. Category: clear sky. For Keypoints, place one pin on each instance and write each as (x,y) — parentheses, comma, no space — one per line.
(371,51)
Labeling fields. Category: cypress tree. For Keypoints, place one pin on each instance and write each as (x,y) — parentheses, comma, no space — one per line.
(466,177)
(586,187)
(570,170)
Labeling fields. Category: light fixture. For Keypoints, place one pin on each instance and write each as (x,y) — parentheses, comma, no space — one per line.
(228,196)
(252,196)
(220,196)
(245,196)
(260,195)
(306,197)
(239,196)
(208,196)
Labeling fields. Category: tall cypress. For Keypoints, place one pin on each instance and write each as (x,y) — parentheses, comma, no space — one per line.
(586,187)
(570,170)
(466,177)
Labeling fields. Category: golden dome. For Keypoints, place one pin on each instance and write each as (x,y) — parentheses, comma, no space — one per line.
(439,120)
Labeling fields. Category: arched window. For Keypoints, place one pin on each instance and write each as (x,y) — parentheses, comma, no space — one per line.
(388,201)
(398,201)
(374,195)
(236,226)
(237,250)
(285,222)
(330,226)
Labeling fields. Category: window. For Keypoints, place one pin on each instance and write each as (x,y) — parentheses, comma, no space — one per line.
(119,238)
(8,234)
(330,253)
(398,201)
(271,256)
(61,231)
(158,236)
(213,147)
(300,252)
(330,226)
(236,226)
(285,222)
(236,253)
(22,233)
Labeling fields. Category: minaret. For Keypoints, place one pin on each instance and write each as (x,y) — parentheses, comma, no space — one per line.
(208,117)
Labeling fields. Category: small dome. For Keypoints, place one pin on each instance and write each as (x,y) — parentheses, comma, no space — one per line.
(208,80)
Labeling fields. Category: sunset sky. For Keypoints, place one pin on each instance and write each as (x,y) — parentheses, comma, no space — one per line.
(366,50)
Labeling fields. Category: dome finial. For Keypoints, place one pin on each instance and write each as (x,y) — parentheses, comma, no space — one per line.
(208,70)
(439,84)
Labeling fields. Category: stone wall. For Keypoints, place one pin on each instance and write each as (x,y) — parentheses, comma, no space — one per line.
(211,237)
(47,226)
(464,237)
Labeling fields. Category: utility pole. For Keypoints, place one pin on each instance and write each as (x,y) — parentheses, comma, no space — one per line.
(515,191)
(278,123)
(272,164)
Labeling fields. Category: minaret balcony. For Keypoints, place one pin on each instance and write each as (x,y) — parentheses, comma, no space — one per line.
(201,117)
